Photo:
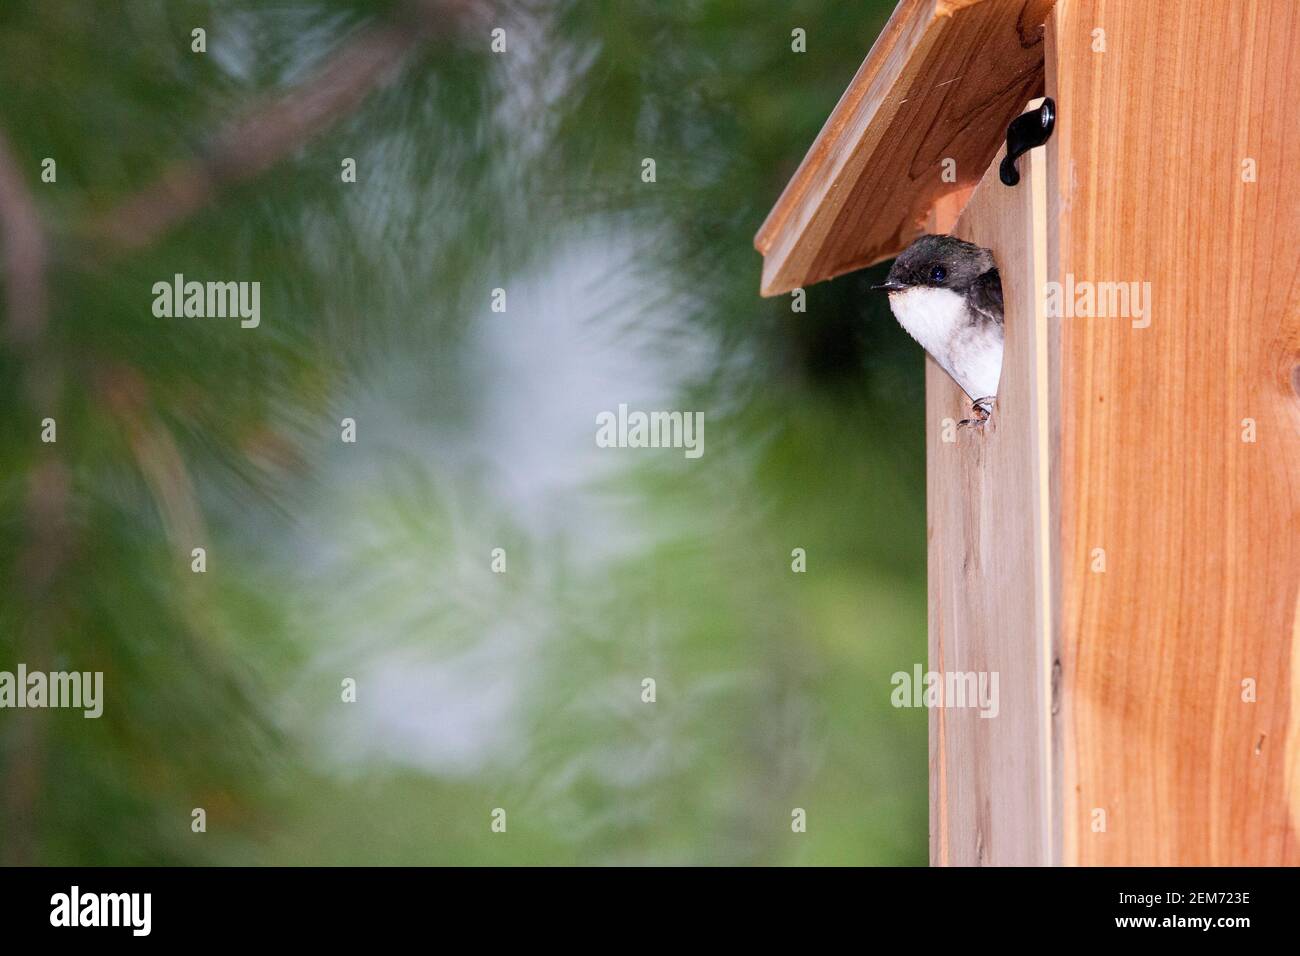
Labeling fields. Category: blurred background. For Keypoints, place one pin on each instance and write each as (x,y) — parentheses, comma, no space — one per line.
(475,430)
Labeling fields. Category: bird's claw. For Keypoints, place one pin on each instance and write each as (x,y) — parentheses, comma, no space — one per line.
(982,407)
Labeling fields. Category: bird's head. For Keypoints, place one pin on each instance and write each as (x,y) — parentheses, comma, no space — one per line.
(942,262)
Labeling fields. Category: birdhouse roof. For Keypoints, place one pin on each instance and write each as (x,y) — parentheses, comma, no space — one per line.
(941,82)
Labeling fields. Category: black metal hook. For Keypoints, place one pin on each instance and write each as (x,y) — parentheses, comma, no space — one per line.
(1025,132)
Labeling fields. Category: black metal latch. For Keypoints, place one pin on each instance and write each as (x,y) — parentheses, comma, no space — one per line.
(1025,132)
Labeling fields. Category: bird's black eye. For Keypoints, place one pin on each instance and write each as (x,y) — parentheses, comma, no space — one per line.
(938,274)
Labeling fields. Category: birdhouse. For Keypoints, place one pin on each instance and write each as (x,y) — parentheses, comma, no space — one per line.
(1120,543)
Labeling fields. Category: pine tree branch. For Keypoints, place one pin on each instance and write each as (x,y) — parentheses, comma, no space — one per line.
(25,254)
(241,151)
(24,260)
(273,130)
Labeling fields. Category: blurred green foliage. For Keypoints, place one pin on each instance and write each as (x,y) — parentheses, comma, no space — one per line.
(372,561)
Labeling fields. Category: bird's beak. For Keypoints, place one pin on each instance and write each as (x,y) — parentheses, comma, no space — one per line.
(889,285)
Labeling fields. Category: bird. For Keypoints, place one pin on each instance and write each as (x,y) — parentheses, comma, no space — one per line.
(947,294)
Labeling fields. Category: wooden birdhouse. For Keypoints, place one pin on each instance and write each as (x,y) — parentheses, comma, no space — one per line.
(1121,542)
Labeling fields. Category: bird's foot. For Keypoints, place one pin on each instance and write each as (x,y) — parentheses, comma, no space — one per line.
(982,407)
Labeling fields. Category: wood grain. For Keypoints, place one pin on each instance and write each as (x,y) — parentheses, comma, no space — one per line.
(1200,529)
(987,516)
(942,81)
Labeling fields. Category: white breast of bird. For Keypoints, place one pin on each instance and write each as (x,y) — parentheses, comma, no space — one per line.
(971,352)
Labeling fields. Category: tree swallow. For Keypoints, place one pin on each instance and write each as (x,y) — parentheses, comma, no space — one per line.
(947,294)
